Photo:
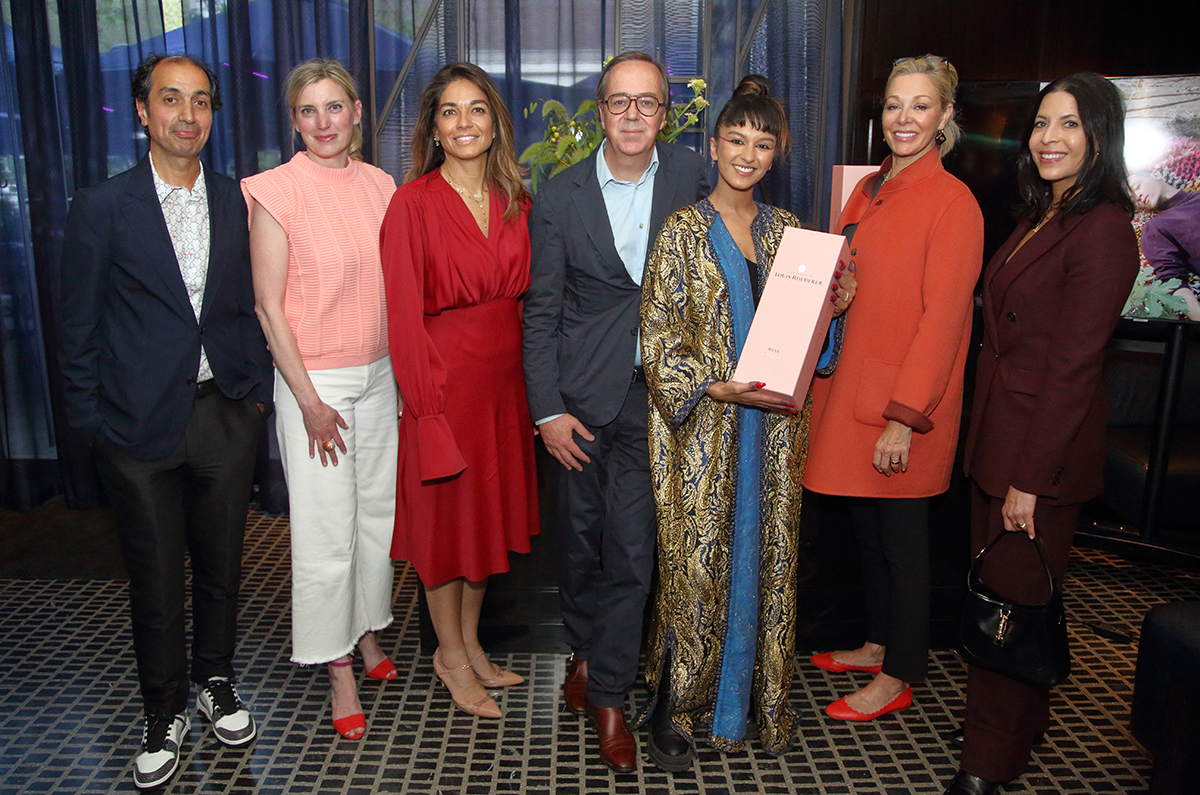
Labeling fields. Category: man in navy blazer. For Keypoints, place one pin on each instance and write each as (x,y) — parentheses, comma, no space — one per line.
(167,372)
(591,229)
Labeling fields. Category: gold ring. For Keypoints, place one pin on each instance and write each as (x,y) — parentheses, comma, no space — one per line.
(1021,525)
(895,460)
(329,444)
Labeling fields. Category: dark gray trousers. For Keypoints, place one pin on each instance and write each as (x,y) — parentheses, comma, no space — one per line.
(607,550)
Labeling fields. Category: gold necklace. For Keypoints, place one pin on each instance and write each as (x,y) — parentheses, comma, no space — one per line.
(478,197)
(1050,211)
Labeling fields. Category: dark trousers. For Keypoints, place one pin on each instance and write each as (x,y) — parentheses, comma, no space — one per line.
(893,540)
(1003,715)
(607,550)
(193,501)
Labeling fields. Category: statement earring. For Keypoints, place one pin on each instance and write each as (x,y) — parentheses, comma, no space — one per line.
(939,138)
(436,142)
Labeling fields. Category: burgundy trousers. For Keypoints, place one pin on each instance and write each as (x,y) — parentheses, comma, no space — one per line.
(1005,716)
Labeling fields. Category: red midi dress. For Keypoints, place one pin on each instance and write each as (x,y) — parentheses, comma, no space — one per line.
(466,492)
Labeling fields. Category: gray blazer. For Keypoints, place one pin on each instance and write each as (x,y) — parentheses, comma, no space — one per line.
(582,309)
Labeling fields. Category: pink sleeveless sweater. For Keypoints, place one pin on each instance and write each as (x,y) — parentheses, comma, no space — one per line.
(334,300)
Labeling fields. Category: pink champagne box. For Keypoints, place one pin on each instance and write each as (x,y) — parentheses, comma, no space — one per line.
(845,178)
(792,319)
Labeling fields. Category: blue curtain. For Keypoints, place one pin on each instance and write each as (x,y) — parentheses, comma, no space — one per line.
(68,120)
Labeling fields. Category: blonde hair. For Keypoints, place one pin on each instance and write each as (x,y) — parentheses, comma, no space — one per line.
(314,71)
(944,77)
(503,172)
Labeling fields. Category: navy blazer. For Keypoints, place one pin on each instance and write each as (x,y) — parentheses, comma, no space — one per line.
(1039,415)
(582,308)
(129,341)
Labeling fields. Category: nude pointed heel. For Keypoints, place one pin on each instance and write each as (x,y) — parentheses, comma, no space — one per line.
(483,707)
(504,677)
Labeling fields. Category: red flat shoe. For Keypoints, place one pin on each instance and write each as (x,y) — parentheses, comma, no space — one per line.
(825,660)
(385,670)
(843,711)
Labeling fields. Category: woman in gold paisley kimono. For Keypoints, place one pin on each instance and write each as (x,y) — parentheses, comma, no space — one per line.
(727,458)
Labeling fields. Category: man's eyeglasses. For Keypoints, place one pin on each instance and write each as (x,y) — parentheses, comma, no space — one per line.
(647,104)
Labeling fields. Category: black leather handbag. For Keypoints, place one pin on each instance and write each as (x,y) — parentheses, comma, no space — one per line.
(1027,643)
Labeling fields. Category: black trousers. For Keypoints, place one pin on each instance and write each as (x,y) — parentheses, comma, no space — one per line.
(193,501)
(607,550)
(1004,715)
(893,540)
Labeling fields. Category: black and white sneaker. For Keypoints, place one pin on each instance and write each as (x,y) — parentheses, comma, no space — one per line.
(231,721)
(158,758)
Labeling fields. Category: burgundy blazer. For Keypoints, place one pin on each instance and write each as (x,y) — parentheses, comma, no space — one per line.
(1039,415)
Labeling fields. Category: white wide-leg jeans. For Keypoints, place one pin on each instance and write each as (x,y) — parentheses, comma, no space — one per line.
(341,516)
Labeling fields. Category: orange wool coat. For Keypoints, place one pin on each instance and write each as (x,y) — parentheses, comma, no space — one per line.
(917,251)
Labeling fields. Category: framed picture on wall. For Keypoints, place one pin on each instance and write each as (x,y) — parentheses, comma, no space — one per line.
(1162,154)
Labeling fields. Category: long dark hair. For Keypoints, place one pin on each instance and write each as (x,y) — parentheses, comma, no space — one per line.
(1102,177)
(753,104)
(503,171)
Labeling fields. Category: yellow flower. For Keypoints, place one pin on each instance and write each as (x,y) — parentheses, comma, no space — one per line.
(697,84)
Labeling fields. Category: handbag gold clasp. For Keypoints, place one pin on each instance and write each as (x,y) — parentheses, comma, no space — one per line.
(1002,627)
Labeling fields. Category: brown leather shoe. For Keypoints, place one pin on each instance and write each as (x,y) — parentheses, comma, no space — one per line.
(618,749)
(575,686)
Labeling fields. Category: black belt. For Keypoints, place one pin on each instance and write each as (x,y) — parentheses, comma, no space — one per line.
(206,388)
(639,374)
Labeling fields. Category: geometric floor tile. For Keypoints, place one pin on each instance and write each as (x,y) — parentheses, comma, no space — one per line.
(70,720)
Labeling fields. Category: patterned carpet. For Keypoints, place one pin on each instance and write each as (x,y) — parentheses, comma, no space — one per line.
(70,723)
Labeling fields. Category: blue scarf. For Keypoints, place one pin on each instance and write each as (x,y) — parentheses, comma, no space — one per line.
(741,633)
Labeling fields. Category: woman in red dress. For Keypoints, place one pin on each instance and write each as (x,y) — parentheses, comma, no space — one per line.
(455,249)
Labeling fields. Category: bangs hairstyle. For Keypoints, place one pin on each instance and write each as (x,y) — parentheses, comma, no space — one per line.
(753,105)
(314,71)
(944,77)
(1103,176)
(503,173)
(143,78)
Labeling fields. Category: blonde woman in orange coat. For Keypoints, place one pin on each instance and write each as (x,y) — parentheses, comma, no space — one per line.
(885,425)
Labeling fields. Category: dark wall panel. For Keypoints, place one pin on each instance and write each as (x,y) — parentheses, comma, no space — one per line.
(1016,41)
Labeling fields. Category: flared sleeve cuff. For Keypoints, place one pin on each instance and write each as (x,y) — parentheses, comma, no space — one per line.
(438,453)
(907,416)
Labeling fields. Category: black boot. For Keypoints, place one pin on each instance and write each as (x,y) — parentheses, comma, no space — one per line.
(967,784)
(669,750)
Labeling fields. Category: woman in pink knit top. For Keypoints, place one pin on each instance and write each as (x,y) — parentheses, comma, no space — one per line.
(314,246)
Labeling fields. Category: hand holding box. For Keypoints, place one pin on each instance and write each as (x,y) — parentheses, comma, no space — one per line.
(793,315)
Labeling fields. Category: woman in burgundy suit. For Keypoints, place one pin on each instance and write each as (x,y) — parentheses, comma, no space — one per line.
(1052,296)
(455,250)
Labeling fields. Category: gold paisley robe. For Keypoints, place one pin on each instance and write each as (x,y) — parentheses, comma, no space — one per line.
(687,344)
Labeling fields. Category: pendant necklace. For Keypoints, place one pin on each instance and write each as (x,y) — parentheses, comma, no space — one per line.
(1050,211)
(477,197)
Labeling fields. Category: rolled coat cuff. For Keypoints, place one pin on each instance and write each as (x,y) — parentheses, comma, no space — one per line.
(907,416)
(437,451)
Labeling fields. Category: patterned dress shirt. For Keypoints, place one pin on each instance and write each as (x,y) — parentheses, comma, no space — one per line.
(186,213)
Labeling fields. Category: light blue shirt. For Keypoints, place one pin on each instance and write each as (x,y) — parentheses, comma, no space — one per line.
(628,206)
